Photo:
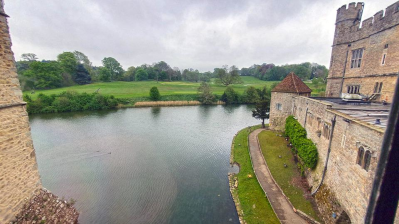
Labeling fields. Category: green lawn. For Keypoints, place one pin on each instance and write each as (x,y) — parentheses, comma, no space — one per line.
(287,178)
(254,203)
(141,89)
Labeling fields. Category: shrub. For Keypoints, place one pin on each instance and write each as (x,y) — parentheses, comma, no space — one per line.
(306,150)
(69,101)
(230,96)
(154,94)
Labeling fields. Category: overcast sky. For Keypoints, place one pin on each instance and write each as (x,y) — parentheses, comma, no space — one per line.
(201,34)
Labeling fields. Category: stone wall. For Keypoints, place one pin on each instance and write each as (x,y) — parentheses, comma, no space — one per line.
(19,179)
(350,183)
(377,36)
(278,115)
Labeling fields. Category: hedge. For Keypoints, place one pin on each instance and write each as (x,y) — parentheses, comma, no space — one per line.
(306,149)
(69,101)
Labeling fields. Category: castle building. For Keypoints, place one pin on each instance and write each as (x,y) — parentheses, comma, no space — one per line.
(365,58)
(348,132)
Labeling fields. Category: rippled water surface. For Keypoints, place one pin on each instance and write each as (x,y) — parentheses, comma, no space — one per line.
(142,165)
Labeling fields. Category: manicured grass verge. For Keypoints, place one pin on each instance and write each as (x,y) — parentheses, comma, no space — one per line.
(253,201)
(289,178)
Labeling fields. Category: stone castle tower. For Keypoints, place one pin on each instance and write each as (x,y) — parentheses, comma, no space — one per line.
(365,56)
(19,179)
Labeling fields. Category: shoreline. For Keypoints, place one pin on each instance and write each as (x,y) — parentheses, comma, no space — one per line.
(172,103)
(233,184)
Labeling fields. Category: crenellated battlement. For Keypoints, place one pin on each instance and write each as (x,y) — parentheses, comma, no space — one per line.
(348,27)
(352,12)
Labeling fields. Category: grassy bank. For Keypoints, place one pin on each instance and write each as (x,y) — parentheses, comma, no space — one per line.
(288,178)
(253,202)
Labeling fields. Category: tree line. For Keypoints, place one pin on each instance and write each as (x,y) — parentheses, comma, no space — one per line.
(271,72)
(73,68)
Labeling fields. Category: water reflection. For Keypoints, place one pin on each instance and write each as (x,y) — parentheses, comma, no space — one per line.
(155,111)
(231,108)
(140,164)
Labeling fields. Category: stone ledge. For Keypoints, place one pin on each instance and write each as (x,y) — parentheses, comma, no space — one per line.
(45,207)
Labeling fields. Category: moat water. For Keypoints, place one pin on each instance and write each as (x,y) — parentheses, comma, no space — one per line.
(142,165)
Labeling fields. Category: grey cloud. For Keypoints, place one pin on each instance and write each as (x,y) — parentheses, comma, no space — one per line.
(197,34)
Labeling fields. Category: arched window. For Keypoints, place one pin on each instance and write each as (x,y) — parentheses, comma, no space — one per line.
(367,158)
(360,155)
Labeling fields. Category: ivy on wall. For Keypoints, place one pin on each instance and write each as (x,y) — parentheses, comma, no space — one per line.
(305,148)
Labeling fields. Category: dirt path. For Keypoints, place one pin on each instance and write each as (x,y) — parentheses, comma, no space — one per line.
(280,205)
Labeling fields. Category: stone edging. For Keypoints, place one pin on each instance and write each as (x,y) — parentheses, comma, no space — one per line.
(299,212)
(233,184)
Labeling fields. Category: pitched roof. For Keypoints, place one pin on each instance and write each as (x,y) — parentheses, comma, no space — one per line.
(292,84)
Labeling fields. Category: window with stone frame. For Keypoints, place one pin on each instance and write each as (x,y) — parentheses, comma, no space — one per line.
(367,159)
(278,106)
(384,56)
(326,131)
(360,155)
(357,56)
(378,87)
(363,158)
(353,89)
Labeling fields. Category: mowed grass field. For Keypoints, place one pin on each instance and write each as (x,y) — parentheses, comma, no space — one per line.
(141,89)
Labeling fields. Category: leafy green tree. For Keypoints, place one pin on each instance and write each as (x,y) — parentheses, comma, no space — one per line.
(154,94)
(29,57)
(276,73)
(251,95)
(261,111)
(227,76)
(205,95)
(141,75)
(264,93)
(129,75)
(105,74)
(114,67)
(82,76)
(67,62)
(230,96)
(45,75)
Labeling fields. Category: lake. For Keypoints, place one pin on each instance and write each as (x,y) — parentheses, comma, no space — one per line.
(142,165)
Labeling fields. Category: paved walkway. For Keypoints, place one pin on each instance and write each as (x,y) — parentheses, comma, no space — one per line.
(281,206)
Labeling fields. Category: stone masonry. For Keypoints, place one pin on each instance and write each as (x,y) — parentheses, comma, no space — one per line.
(346,178)
(19,179)
(378,37)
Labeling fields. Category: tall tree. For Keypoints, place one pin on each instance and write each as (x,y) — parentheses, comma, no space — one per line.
(141,75)
(261,111)
(205,95)
(251,95)
(227,76)
(82,76)
(68,62)
(104,74)
(129,74)
(29,57)
(84,60)
(114,67)
(45,75)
